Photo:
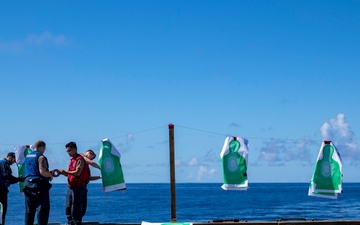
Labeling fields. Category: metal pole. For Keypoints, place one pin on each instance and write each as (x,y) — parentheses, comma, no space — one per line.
(172,172)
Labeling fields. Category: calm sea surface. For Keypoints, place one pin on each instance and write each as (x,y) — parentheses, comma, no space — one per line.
(198,203)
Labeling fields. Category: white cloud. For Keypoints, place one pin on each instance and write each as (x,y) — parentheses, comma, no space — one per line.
(338,131)
(43,39)
(129,136)
(193,161)
(271,151)
(190,177)
(10,46)
(178,162)
(268,156)
(325,131)
(212,156)
(302,151)
(300,143)
(205,173)
(336,127)
(339,126)
(278,152)
(129,139)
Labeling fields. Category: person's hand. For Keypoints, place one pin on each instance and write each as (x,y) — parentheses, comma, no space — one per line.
(55,172)
(63,172)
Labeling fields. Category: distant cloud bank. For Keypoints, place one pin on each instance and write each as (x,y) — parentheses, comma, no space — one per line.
(279,151)
(44,39)
(339,131)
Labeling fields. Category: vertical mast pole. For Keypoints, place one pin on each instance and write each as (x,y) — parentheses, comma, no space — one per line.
(172,172)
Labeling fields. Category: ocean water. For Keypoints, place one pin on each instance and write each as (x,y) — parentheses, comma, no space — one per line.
(200,202)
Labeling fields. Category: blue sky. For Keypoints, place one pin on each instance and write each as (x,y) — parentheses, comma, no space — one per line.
(283,74)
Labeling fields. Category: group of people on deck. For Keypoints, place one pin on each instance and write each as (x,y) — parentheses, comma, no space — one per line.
(37,183)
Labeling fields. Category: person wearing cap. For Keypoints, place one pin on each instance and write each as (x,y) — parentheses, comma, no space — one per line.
(6,179)
(37,185)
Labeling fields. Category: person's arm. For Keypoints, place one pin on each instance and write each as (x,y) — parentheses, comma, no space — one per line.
(44,167)
(13,179)
(95,178)
(90,162)
(78,169)
(7,174)
(93,164)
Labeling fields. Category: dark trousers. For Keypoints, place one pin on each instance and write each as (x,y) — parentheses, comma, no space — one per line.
(4,200)
(76,202)
(37,201)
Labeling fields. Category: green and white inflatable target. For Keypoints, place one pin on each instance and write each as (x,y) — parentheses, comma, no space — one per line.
(234,157)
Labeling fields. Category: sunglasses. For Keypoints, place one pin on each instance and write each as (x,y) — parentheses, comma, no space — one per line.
(70,149)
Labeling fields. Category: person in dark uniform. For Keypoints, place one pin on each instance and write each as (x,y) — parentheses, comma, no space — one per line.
(6,179)
(37,185)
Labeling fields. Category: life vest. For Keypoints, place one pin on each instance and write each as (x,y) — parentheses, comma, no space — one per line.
(32,166)
(83,178)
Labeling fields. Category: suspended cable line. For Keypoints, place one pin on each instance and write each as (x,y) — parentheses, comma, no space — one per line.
(196,129)
(201,130)
(257,138)
(138,132)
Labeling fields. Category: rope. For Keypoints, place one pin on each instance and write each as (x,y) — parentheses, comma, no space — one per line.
(256,138)
(211,132)
(89,141)
(190,128)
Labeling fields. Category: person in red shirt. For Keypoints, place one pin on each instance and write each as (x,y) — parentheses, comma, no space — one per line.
(78,175)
